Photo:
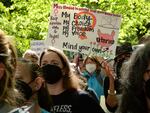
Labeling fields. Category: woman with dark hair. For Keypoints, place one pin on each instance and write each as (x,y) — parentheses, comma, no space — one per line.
(63,87)
(136,82)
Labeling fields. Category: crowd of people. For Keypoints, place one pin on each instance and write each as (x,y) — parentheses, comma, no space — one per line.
(51,83)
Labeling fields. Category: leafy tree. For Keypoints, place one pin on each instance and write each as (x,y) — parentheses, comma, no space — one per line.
(28,19)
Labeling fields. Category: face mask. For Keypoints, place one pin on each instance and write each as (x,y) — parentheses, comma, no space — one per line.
(52,73)
(90,67)
(147,88)
(24,88)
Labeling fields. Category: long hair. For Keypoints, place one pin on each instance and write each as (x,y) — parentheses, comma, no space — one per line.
(69,80)
(7,85)
(133,97)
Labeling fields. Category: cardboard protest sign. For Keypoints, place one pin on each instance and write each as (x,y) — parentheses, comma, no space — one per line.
(37,45)
(83,30)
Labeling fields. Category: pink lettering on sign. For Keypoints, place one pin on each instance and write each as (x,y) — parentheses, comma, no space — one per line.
(84,21)
(105,40)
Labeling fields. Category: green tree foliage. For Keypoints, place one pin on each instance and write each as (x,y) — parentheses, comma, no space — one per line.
(28,19)
(25,20)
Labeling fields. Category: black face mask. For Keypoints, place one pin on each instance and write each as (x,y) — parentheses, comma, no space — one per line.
(147,88)
(24,88)
(52,73)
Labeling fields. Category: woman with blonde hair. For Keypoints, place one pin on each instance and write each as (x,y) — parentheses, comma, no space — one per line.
(93,74)
(8,94)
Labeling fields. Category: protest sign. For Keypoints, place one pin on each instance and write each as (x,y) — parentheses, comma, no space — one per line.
(83,30)
(37,45)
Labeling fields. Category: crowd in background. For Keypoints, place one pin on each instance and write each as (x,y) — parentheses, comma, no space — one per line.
(52,83)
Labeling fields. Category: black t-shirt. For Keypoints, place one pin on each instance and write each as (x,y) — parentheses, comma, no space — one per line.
(73,101)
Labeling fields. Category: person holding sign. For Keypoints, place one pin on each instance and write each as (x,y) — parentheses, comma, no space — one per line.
(78,60)
(112,85)
(63,87)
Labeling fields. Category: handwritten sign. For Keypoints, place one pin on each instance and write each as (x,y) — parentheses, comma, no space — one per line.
(83,30)
(37,45)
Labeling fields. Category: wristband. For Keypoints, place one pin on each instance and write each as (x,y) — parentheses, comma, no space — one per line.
(110,93)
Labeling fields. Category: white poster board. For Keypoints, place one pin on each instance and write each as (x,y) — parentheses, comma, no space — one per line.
(83,30)
(37,45)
